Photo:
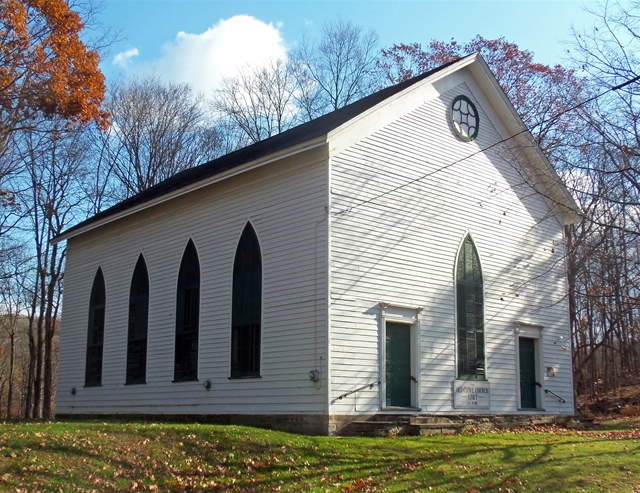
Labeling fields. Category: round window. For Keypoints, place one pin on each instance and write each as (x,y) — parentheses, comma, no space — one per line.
(465,118)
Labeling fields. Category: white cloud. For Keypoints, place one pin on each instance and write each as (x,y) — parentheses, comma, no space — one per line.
(203,59)
(123,59)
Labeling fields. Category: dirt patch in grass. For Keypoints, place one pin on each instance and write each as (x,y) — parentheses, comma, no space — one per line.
(623,403)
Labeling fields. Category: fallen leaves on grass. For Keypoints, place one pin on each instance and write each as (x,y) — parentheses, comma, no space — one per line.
(557,430)
(171,457)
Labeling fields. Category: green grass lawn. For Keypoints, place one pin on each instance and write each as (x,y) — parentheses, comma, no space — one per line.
(114,456)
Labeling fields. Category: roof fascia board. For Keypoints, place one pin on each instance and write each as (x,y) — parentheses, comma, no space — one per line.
(288,152)
(524,141)
(397,105)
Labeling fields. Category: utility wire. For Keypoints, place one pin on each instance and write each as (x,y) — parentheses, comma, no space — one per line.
(480,151)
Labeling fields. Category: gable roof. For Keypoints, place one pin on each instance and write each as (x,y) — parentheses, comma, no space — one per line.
(301,136)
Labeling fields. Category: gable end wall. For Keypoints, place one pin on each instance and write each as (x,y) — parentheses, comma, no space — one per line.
(401,249)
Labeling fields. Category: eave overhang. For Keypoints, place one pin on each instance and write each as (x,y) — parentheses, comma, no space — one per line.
(242,168)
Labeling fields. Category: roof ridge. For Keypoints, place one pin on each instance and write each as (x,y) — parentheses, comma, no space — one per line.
(304,132)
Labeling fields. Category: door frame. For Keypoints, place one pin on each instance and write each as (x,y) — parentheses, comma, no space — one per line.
(408,315)
(533,331)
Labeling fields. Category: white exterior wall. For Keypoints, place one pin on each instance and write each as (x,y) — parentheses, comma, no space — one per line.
(402,249)
(285,201)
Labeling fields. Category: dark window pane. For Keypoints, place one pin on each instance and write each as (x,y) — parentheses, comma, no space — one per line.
(138,324)
(186,309)
(470,313)
(463,359)
(246,310)
(462,300)
(187,316)
(95,332)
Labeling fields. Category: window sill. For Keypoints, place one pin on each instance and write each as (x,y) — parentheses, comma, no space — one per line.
(185,380)
(135,383)
(244,377)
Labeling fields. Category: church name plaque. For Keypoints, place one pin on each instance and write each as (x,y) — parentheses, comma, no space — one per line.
(471,394)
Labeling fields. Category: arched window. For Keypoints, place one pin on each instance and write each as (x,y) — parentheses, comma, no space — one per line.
(246,312)
(470,311)
(187,316)
(95,333)
(138,322)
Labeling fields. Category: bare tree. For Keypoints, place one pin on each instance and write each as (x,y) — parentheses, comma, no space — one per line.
(609,55)
(15,270)
(337,69)
(259,101)
(605,271)
(158,130)
(51,192)
(322,76)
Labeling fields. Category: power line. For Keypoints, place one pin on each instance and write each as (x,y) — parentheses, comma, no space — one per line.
(480,151)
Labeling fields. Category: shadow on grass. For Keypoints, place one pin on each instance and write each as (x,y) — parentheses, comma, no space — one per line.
(227,458)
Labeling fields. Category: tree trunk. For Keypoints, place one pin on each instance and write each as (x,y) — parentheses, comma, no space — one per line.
(37,394)
(12,358)
(1,394)
(30,397)
(49,333)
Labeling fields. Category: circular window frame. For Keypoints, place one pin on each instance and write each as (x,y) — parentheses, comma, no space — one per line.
(457,124)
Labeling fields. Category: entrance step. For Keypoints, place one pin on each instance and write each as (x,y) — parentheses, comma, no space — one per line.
(396,425)
(413,424)
(440,428)
(377,428)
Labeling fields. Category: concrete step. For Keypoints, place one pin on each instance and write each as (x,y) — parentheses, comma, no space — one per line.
(399,427)
(426,429)
(410,418)
(420,420)
(392,424)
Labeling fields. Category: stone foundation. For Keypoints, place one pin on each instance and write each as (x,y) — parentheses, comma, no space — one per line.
(380,424)
(307,424)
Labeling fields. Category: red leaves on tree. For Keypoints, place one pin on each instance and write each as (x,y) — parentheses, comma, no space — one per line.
(538,92)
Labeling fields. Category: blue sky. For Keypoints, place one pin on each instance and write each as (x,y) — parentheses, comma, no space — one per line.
(217,35)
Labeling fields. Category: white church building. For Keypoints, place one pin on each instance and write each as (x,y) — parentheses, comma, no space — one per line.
(401,256)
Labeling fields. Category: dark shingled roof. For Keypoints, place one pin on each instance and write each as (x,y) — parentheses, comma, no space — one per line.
(289,138)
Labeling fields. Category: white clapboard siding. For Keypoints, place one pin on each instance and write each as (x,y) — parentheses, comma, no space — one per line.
(402,249)
(285,202)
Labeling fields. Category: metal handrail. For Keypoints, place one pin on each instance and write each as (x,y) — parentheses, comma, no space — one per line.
(547,391)
(369,385)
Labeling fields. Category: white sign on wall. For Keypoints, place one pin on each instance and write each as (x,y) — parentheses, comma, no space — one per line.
(471,394)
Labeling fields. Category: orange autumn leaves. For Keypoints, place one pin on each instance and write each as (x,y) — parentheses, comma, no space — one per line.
(45,68)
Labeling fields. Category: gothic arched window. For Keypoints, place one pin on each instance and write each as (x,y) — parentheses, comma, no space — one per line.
(138,323)
(470,311)
(187,316)
(246,312)
(95,332)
